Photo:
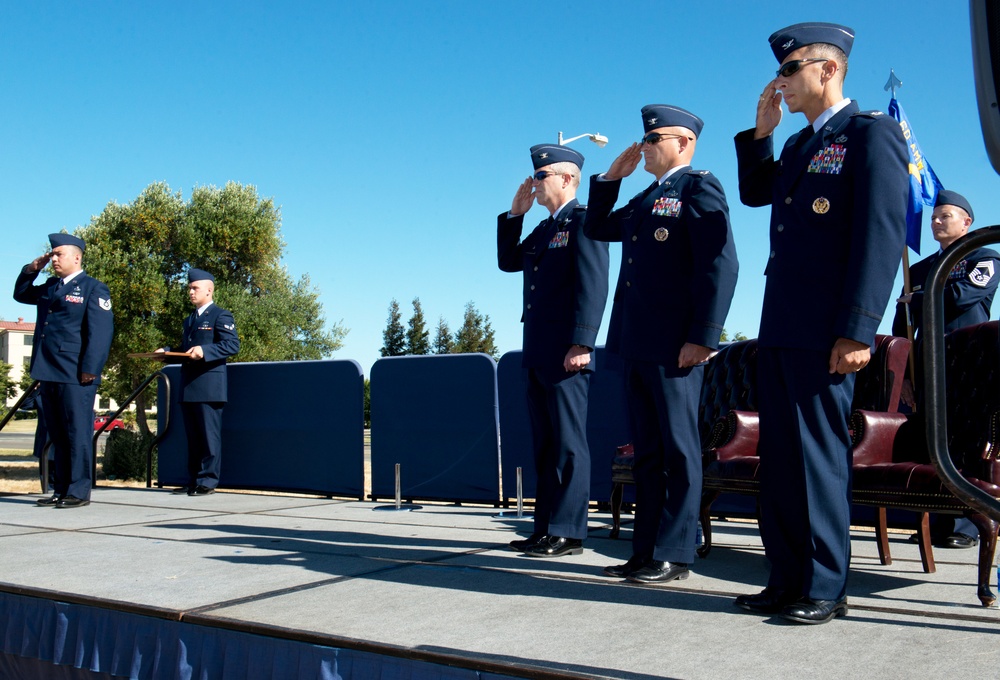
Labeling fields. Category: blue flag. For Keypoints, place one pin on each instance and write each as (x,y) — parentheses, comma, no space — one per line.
(924,184)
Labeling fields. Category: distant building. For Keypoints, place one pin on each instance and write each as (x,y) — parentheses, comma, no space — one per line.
(15,349)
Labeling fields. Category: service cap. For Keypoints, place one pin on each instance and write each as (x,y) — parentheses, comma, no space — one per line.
(946,197)
(661,115)
(547,154)
(199,275)
(789,39)
(63,239)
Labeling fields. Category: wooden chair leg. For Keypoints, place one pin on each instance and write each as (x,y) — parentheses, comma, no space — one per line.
(924,538)
(617,492)
(882,537)
(987,548)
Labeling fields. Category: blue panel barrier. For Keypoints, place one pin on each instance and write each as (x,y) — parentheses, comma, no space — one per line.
(437,417)
(288,426)
(607,425)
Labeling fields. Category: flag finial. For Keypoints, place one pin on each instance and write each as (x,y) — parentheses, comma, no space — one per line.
(893,83)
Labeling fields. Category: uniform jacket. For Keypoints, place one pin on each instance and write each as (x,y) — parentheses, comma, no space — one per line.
(565,283)
(215,332)
(838,222)
(679,264)
(968,293)
(74,326)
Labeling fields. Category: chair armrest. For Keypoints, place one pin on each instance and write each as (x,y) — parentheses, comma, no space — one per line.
(734,436)
(873,435)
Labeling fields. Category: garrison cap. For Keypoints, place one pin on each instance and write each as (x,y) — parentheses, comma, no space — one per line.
(661,115)
(946,197)
(547,154)
(199,275)
(62,239)
(787,40)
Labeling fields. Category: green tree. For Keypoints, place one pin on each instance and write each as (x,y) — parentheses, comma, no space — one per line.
(8,386)
(142,251)
(476,334)
(418,338)
(737,336)
(443,343)
(394,335)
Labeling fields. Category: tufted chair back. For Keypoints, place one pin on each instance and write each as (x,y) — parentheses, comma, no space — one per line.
(730,384)
(972,377)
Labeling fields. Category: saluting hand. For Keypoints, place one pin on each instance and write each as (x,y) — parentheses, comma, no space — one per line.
(768,111)
(523,198)
(39,262)
(626,163)
(849,356)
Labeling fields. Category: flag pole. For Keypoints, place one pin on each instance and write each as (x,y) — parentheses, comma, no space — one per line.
(891,85)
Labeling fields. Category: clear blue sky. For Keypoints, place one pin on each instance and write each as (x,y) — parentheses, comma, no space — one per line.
(392,133)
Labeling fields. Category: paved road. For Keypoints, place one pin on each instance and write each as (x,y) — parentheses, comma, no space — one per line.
(26,440)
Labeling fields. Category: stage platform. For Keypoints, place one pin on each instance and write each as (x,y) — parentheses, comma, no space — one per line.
(435,593)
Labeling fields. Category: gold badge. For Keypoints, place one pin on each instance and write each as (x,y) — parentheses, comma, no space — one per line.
(821,206)
(661,234)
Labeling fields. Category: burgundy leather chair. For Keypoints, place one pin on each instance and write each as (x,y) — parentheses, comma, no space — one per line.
(891,464)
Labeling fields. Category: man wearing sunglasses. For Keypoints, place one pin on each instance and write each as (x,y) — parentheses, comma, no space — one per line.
(678,276)
(565,288)
(838,195)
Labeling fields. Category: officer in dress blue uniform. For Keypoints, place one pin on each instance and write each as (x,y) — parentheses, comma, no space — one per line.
(838,197)
(968,295)
(678,276)
(565,289)
(73,333)
(209,337)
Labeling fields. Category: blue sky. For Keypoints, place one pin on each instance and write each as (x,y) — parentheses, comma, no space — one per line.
(392,133)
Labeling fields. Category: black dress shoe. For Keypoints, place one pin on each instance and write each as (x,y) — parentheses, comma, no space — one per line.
(201,491)
(634,564)
(954,541)
(71,502)
(555,546)
(49,502)
(807,610)
(523,544)
(657,571)
(767,601)
(182,491)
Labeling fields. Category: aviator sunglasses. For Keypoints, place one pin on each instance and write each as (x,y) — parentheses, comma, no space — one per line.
(792,67)
(655,138)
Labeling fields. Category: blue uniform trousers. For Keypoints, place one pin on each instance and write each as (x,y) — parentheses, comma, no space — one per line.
(805,471)
(203,424)
(68,410)
(558,408)
(668,468)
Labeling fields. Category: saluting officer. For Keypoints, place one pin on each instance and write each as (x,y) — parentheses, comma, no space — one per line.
(838,197)
(565,288)
(968,296)
(209,337)
(73,333)
(678,276)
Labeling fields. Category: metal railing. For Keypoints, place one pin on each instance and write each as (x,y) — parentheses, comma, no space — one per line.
(160,431)
(43,461)
(934,374)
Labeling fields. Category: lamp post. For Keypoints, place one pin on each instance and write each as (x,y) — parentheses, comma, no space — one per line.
(597,138)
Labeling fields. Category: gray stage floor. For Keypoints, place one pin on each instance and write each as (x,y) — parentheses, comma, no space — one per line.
(441,580)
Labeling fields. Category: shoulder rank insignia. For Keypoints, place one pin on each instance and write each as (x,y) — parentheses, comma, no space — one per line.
(104,304)
(981,273)
(229,326)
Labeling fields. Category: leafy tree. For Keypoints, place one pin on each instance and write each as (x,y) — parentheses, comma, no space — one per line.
(737,336)
(8,386)
(142,251)
(443,343)
(417,336)
(476,334)
(394,335)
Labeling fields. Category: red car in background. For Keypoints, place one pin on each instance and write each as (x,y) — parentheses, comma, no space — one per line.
(116,424)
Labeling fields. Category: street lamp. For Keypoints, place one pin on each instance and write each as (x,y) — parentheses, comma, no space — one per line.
(598,139)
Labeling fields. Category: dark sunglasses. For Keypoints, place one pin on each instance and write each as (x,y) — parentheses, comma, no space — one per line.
(655,138)
(542,174)
(790,68)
